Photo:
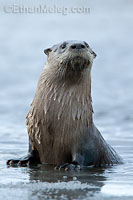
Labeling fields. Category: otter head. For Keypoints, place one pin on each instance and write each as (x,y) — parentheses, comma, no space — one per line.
(70,58)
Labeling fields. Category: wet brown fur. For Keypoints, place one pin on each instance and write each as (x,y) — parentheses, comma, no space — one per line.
(60,121)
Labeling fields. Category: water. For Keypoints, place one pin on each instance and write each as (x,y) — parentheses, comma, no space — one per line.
(108,29)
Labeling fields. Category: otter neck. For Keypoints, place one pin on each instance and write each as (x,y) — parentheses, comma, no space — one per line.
(75,97)
(69,75)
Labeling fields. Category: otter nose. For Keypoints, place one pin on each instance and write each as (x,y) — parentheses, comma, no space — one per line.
(77,46)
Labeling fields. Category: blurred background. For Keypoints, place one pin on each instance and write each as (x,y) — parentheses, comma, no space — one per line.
(25,32)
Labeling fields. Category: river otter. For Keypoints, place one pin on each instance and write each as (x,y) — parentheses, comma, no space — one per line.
(60,122)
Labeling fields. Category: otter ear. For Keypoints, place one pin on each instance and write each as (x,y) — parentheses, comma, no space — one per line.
(47,51)
(94,54)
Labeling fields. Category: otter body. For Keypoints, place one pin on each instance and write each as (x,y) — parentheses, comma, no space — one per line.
(60,122)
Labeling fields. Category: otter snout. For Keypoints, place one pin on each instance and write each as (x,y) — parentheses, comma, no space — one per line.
(77,46)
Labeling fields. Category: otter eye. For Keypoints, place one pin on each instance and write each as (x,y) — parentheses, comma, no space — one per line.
(63,45)
(86,44)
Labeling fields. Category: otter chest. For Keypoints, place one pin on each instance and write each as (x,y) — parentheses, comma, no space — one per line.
(67,109)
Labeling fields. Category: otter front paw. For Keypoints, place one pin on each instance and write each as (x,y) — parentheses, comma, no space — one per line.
(16,163)
(23,162)
(68,167)
(13,162)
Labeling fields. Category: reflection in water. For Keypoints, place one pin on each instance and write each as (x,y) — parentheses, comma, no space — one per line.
(43,173)
(72,185)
